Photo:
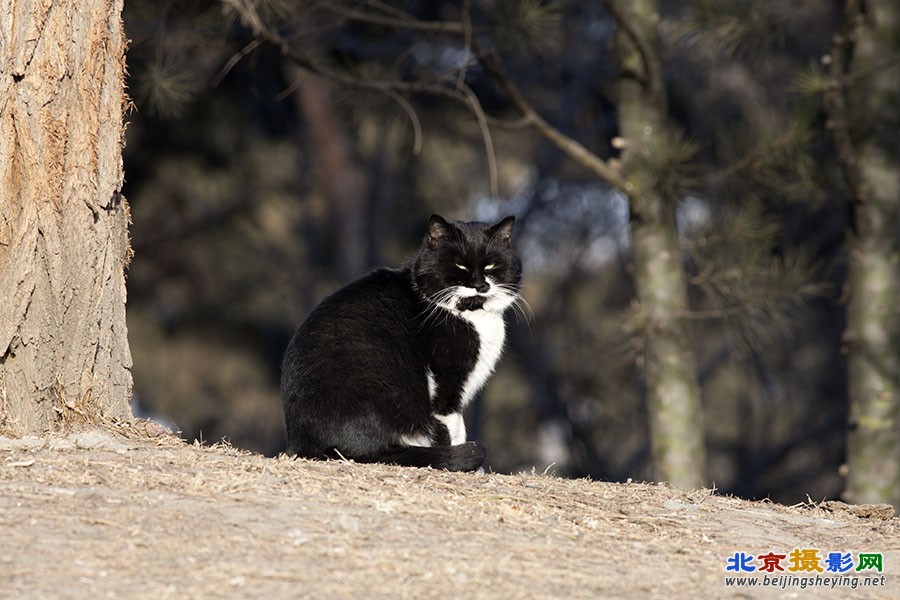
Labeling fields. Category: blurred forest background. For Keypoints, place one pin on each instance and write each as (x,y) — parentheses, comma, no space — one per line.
(264,173)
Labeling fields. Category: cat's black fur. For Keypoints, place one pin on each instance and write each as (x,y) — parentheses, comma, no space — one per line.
(381,369)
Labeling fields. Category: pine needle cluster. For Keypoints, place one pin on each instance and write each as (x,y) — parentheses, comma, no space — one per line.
(525,27)
(743,29)
(668,157)
(164,87)
(743,277)
(171,62)
(770,159)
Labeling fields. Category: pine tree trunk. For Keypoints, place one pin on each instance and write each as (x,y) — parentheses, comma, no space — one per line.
(676,424)
(64,356)
(873,315)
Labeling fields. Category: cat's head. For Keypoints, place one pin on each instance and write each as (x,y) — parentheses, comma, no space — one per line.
(468,266)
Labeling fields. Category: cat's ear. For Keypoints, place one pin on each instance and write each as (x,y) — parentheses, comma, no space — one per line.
(502,231)
(438,231)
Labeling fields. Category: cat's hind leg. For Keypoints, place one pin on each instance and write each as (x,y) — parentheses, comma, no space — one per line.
(454,426)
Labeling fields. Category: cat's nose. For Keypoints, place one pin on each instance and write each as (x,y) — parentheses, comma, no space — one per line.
(482,287)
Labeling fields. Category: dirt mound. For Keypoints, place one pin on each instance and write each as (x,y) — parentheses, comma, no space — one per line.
(99,515)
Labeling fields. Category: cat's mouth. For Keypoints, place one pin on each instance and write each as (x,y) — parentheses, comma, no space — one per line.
(471,303)
(465,299)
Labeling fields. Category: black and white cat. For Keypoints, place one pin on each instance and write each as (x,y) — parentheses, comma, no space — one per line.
(382,369)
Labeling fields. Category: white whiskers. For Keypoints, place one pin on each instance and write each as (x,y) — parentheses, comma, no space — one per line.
(501,296)
(518,303)
(440,304)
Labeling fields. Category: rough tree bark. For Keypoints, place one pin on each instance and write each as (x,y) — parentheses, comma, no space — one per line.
(862,111)
(64,355)
(676,423)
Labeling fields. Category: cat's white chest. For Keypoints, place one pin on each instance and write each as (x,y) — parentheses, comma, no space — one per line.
(491,331)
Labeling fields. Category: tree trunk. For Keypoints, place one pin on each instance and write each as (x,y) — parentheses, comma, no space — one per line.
(869,152)
(337,178)
(64,356)
(676,424)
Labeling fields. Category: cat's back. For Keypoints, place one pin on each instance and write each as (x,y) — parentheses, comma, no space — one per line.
(373,311)
(381,294)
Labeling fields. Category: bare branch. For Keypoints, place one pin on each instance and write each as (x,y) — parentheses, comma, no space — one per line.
(464,95)
(569,146)
(252,20)
(388,9)
(398,22)
(520,123)
(488,141)
(467,41)
(234,60)
(413,119)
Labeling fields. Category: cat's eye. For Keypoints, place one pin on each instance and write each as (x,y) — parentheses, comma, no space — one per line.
(462,267)
(490,267)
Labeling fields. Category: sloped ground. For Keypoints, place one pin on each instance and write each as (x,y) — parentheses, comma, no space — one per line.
(96,515)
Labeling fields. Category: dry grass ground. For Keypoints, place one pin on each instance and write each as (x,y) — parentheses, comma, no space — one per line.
(98,515)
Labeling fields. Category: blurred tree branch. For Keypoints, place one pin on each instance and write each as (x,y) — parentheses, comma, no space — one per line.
(401,20)
(461,93)
(530,115)
(261,30)
(568,145)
